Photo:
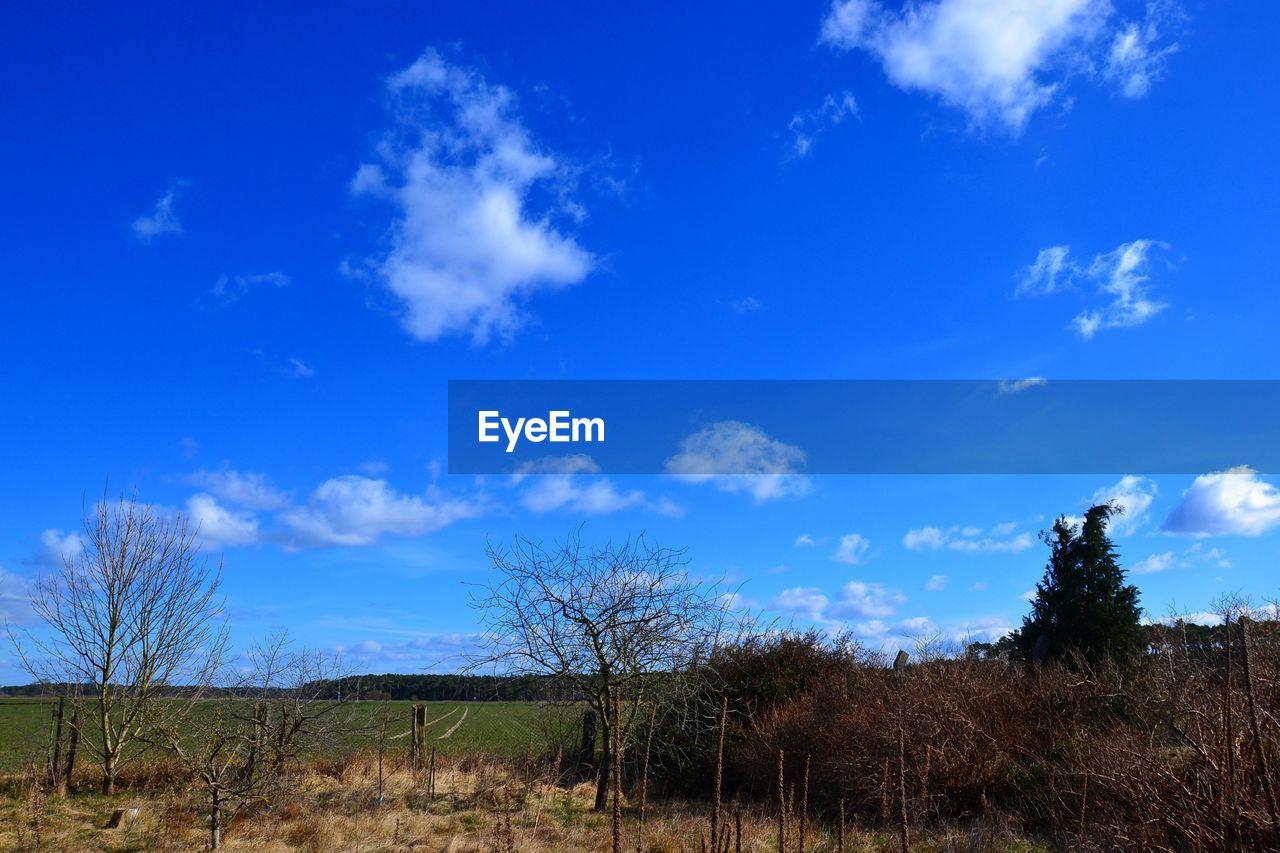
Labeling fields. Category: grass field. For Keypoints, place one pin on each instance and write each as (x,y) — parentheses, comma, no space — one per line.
(454,728)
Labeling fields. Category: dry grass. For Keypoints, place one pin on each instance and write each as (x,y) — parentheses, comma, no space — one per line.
(480,806)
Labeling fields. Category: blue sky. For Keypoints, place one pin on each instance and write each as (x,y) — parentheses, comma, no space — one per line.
(244,249)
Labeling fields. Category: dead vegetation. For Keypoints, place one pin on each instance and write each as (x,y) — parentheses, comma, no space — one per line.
(478,806)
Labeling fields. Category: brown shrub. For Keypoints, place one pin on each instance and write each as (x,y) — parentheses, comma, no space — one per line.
(1171,754)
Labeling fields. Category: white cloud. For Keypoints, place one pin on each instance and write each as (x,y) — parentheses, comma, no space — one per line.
(244,488)
(993,59)
(925,539)
(853,549)
(862,600)
(56,547)
(471,240)
(595,497)
(990,545)
(353,510)
(1000,60)
(741,459)
(1134,496)
(429,652)
(968,539)
(804,540)
(573,463)
(806,125)
(806,602)
(163,218)
(219,526)
(1121,276)
(856,600)
(936,583)
(1152,564)
(229,289)
(745,305)
(987,629)
(1231,502)
(554,484)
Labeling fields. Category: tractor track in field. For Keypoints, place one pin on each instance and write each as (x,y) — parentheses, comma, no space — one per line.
(454,727)
(430,723)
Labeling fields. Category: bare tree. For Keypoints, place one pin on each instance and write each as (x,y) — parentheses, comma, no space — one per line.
(616,624)
(129,616)
(242,751)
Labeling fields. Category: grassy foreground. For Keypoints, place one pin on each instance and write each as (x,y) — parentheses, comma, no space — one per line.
(480,805)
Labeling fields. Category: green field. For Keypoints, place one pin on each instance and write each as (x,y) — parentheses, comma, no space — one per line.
(489,728)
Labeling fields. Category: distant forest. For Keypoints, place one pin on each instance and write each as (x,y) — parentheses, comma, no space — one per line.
(421,688)
(529,688)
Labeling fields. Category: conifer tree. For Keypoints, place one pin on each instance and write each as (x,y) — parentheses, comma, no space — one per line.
(1083,606)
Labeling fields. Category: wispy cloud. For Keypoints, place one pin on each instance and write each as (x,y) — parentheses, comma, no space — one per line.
(1121,276)
(481,209)
(433,652)
(1051,272)
(1139,50)
(745,305)
(1015,386)
(162,220)
(229,289)
(299,369)
(806,125)
(968,539)
(1195,556)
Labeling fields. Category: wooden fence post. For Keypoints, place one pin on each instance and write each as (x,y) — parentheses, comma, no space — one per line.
(73,740)
(55,766)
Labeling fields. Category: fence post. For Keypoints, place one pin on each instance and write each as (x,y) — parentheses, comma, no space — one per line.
(55,767)
(415,747)
(73,740)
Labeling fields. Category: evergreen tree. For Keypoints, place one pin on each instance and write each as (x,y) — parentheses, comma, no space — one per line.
(1083,605)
